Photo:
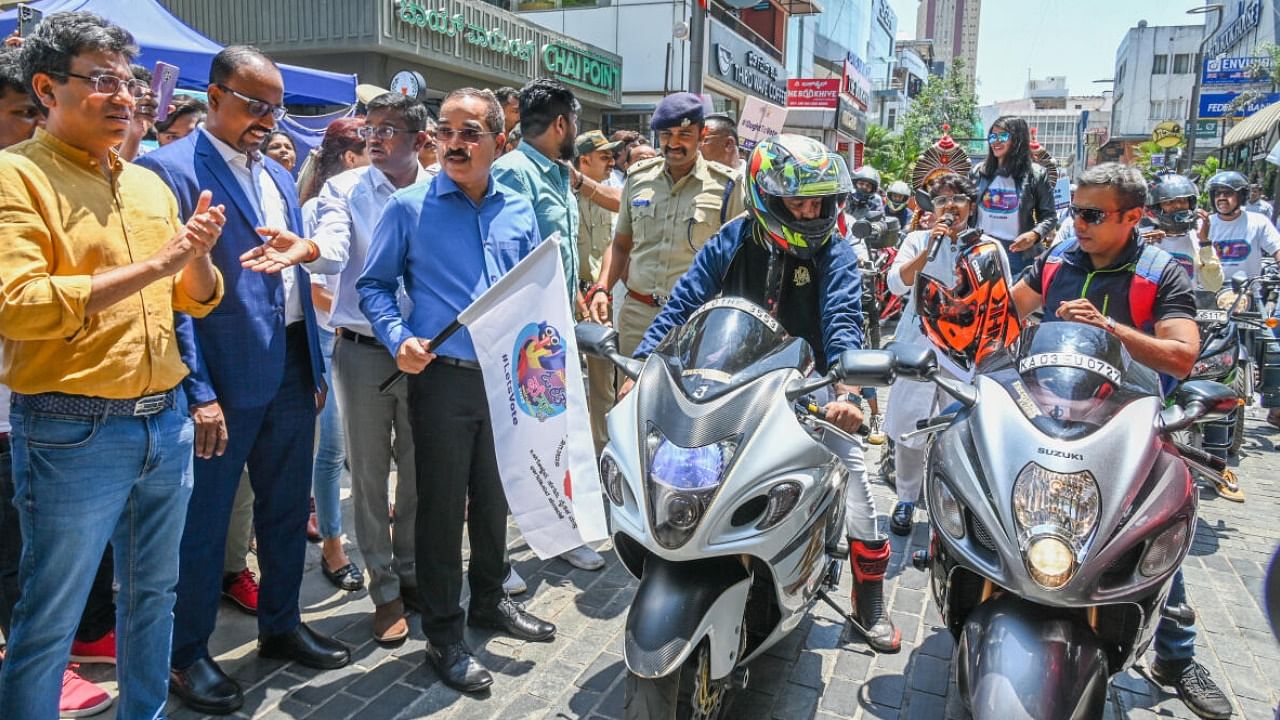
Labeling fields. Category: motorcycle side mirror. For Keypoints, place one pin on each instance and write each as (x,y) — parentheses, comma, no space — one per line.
(1196,401)
(602,341)
(1238,281)
(595,339)
(865,367)
(923,201)
(913,361)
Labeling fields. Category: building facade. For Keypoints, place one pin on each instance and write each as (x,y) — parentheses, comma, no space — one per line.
(953,27)
(451,43)
(1153,81)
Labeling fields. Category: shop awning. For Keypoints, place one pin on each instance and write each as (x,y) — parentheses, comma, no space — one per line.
(1256,125)
(161,36)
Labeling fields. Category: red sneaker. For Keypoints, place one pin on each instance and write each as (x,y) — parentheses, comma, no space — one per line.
(242,589)
(102,650)
(81,698)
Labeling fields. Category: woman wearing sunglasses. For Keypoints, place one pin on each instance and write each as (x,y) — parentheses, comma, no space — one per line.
(1015,200)
(934,253)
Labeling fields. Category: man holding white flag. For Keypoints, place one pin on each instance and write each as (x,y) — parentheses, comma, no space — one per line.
(451,240)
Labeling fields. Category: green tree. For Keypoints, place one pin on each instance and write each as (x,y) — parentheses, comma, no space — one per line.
(945,100)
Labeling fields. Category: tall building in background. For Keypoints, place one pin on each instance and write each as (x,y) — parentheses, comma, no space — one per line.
(953,27)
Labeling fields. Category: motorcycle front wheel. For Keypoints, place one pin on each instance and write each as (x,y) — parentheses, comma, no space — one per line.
(1243,390)
(689,693)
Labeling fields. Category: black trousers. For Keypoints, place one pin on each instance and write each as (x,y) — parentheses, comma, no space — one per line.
(454,457)
(99,616)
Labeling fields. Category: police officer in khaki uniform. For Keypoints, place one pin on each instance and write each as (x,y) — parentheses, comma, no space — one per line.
(595,235)
(670,206)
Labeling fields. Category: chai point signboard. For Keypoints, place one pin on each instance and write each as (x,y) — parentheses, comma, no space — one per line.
(813,93)
(580,68)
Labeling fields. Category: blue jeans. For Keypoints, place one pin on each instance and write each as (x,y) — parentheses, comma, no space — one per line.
(1174,642)
(80,482)
(331,455)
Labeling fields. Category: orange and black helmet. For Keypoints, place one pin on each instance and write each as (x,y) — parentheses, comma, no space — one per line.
(975,319)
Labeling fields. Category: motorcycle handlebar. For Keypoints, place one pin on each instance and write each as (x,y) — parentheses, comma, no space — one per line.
(811,409)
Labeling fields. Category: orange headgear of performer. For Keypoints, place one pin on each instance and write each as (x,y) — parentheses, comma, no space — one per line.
(974,320)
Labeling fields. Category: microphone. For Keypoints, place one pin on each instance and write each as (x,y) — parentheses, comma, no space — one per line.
(945,221)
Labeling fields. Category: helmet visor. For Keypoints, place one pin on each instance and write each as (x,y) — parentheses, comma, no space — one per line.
(805,176)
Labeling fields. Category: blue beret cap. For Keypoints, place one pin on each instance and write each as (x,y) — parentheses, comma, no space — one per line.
(676,110)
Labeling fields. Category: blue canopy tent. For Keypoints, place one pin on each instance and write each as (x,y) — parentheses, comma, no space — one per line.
(161,36)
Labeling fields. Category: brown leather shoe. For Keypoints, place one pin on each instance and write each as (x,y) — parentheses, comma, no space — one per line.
(389,625)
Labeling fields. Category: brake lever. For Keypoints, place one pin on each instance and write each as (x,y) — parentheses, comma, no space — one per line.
(811,409)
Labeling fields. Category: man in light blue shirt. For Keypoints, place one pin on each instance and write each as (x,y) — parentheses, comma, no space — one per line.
(549,123)
(450,240)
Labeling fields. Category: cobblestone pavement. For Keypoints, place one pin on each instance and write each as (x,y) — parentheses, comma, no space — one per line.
(818,672)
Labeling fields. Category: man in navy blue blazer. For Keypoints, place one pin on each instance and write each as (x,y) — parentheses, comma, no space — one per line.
(254,388)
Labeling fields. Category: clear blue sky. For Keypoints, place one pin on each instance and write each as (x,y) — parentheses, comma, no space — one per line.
(1076,38)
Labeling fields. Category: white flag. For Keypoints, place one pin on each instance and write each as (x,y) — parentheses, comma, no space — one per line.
(522,328)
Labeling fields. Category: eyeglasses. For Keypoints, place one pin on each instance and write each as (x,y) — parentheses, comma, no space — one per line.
(110,84)
(1222,192)
(470,136)
(382,132)
(258,108)
(998,137)
(1092,216)
(949,200)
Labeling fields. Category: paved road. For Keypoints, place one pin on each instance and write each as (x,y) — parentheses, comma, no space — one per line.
(819,672)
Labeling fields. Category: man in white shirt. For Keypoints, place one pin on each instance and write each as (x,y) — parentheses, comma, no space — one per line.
(349,207)
(1240,236)
(1257,203)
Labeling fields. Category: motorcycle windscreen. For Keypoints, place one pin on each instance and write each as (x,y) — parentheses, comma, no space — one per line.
(727,343)
(1077,377)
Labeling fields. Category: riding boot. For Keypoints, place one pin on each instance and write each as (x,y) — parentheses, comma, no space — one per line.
(869,560)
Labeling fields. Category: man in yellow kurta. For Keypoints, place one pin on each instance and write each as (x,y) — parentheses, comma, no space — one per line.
(93,264)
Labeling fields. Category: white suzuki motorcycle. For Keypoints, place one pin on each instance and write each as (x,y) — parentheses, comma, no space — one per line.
(724,502)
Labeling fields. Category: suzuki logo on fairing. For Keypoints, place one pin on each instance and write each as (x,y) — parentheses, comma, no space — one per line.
(1060,454)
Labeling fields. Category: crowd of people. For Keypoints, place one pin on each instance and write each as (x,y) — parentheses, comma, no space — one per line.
(196,341)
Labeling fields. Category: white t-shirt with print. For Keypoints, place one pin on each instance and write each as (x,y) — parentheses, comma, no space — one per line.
(1242,243)
(998,209)
(1184,248)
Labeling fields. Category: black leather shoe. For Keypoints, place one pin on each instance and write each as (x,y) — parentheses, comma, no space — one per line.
(305,647)
(901,520)
(348,577)
(458,668)
(510,617)
(203,687)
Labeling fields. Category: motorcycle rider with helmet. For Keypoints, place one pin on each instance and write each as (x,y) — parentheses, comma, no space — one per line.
(896,198)
(785,255)
(1107,277)
(1241,237)
(866,191)
(1173,223)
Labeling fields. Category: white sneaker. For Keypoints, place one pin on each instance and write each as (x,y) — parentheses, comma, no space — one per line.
(514,584)
(584,558)
(876,436)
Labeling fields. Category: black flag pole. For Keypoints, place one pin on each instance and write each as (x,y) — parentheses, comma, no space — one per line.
(436,342)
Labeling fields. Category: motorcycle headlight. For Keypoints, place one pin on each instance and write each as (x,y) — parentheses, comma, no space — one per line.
(611,479)
(944,508)
(1055,513)
(682,483)
(1164,551)
(1064,504)
(1214,366)
(1226,299)
(1050,561)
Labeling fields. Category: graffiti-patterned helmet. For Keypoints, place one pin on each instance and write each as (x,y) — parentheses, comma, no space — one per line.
(794,166)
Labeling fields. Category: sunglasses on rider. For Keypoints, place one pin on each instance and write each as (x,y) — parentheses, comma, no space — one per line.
(998,137)
(1094,216)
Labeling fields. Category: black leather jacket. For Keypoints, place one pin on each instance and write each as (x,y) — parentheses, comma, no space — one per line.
(1036,210)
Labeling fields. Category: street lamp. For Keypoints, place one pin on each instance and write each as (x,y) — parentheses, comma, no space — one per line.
(1193,113)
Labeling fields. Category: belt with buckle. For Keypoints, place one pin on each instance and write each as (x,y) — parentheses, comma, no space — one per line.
(86,406)
(650,300)
(457,362)
(356,337)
